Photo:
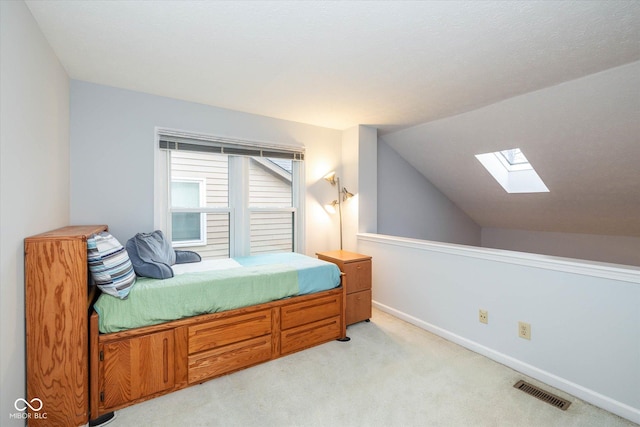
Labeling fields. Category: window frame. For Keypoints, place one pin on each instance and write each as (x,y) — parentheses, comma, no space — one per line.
(202,186)
(519,178)
(238,209)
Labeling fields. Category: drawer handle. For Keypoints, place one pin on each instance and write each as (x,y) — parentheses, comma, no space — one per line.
(165,360)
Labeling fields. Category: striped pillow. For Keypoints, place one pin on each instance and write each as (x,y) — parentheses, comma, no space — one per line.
(109,265)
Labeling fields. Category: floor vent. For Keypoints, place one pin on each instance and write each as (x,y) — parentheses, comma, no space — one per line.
(537,392)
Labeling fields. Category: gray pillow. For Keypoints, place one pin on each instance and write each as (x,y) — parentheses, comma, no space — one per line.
(151,255)
(184,257)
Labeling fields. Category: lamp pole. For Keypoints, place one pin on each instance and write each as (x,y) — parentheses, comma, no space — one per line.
(340,209)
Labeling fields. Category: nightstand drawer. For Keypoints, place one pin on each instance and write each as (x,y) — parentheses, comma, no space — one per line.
(358,275)
(358,306)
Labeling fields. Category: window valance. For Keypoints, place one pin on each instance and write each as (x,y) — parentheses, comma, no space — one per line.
(169,140)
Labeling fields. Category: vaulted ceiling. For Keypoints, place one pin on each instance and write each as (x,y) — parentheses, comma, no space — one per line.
(582,137)
(395,65)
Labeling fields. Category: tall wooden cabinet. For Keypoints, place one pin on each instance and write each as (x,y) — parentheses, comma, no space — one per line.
(56,309)
(357,269)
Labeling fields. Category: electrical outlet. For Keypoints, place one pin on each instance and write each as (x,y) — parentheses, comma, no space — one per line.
(524,330)
(483,316)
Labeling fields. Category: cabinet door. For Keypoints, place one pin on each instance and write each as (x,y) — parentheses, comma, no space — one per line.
(358,275)
(137,367)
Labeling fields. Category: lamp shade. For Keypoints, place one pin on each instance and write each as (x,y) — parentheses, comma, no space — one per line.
(331,178)
(331,207)
(346,195)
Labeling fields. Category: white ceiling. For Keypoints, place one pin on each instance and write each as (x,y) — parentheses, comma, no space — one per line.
(392,65)
(340,64)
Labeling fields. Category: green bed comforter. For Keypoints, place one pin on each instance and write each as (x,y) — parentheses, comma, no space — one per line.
(153,301)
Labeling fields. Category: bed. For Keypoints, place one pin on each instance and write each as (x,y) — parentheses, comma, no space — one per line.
(178,337)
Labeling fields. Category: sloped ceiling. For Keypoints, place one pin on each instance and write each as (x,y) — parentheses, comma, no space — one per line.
(395,65)
(582,137)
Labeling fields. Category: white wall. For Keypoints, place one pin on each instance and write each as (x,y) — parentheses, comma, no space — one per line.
(34,174)
(112,156)
(410,206)
(613,249)
(584,317)
(368,180)
(359,166)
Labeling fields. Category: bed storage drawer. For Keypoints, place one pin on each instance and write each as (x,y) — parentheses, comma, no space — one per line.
(229,358)
(301,313)
(229,330)
(310,335)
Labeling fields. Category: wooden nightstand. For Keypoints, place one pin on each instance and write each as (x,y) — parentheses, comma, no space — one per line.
(357,268)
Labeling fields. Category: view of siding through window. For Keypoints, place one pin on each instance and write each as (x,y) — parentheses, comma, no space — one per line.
(188,227)
(270,187)
(213,169)
(271,218)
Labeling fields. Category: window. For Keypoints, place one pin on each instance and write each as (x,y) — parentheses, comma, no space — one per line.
(206,211)
(228,199)
(187,228)
(272,216)
(513,160)
(513,171)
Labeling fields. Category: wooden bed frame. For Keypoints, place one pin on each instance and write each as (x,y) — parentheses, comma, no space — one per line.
(140,364)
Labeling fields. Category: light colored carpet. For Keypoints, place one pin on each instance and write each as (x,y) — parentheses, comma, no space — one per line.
(391,373)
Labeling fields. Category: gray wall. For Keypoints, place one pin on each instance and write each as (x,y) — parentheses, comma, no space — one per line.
(34,175)
(112,147)
(410,206)
(613,249)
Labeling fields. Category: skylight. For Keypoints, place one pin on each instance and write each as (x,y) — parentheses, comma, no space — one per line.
(513,171)
(513,159)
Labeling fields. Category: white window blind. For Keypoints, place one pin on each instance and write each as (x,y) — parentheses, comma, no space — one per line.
(213,144)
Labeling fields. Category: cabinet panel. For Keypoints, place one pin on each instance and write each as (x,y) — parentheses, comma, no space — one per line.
(56,330)
(137,367)
(358,275)
(56,324)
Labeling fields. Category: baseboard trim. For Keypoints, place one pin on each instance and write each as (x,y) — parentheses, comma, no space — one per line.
(560,383)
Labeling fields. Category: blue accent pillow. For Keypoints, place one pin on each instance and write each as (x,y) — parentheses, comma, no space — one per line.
(110,265)
(185,257)
(152,255)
